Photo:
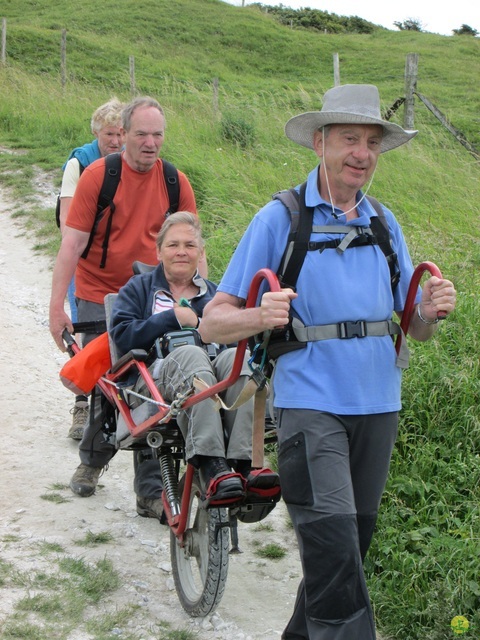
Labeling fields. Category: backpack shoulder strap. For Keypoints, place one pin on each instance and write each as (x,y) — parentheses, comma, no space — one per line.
(301,221)
(111,178)
(170,175)
(379,211)
(290,199)
(381,231)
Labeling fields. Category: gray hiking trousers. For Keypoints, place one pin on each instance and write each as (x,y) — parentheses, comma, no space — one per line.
(333,471)
(207,431)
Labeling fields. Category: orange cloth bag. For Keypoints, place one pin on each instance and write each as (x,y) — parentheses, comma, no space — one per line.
(81,373)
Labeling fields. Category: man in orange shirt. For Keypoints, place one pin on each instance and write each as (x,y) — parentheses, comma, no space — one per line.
(106,126)
(140,206)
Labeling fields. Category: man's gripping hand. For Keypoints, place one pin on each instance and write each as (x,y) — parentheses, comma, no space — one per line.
(275,308)
(59,321)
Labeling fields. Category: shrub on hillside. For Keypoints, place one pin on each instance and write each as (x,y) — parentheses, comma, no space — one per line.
(237,130)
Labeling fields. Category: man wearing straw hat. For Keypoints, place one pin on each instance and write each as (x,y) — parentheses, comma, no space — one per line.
(337,395)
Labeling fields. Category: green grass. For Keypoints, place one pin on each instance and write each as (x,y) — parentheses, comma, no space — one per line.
(424,557)
(271,551)
(5,570)
(56,599)
(178,634)
(94,539)
(423,565)
(54,497)
(66,594)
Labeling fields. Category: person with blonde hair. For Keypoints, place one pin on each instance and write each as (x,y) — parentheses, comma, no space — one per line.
(106,125)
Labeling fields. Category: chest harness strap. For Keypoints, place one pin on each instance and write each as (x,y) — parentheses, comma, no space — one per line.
(353,237)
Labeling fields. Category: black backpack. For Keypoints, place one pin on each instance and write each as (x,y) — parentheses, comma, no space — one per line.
(111,179)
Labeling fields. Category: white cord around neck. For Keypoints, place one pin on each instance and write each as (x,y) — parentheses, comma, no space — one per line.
(339,215)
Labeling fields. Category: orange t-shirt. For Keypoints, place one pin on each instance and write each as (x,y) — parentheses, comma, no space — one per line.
(141,201)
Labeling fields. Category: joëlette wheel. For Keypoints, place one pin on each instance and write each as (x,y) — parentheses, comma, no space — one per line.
(200,567)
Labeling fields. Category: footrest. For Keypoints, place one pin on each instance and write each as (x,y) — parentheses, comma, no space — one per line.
(250,511)
(263,483)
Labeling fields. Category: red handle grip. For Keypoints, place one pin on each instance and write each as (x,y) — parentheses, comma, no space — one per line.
(412,292)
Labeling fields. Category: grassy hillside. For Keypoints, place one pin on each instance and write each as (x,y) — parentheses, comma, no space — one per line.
(266,73)
(424,563)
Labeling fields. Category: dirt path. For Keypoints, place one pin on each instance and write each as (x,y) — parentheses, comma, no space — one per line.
(37,459)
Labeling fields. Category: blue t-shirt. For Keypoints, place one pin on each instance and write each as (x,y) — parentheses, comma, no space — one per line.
(352,376)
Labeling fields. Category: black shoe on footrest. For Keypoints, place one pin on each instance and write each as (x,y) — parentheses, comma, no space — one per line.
(223,487)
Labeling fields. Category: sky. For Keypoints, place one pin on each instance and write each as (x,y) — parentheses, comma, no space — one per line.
(433,16)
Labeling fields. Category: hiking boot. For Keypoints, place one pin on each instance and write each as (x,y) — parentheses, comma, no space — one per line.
(150,508)
(80,413)
(223,486)
(85,479)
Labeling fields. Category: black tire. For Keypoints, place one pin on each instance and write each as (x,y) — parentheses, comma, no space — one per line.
(200,567)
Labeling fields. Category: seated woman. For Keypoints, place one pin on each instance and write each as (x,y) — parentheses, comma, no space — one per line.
(169,298)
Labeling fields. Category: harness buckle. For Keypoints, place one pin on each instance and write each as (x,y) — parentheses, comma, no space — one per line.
(259,378)
(357,329)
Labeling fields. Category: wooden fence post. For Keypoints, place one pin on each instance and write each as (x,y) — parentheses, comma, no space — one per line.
(132,76)
(411,71)
(63,58)
(336,70)
(4,40)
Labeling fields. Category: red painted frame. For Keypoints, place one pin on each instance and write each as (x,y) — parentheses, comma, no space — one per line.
(178,523)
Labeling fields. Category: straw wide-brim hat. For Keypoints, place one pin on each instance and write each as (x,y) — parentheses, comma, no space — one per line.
(347,104)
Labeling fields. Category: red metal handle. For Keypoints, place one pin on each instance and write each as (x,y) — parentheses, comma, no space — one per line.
(412,292)
(258,278)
